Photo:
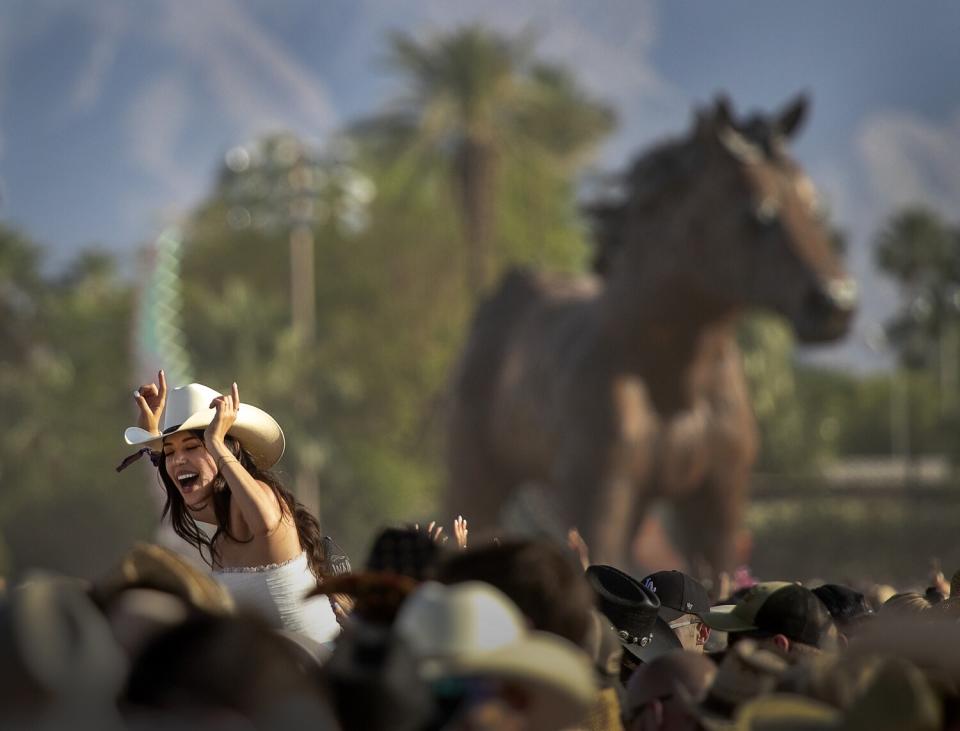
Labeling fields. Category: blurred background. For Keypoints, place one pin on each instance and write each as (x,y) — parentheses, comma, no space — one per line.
(309,198)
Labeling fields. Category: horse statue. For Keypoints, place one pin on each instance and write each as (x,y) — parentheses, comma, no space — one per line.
(615,390)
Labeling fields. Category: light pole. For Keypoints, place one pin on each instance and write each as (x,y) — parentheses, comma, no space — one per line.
(878,341)
(281,183)
(947,345)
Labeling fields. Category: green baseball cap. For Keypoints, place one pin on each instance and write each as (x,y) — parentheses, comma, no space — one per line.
(777,607)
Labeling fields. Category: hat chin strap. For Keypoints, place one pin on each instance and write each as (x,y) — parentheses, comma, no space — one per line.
(127,461)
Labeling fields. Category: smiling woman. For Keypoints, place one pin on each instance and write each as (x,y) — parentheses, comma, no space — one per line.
(213,456)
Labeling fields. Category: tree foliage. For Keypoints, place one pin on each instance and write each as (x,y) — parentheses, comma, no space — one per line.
(64,352)
(921,253)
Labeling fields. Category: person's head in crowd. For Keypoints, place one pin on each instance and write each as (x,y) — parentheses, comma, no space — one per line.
(955,584)
(149,566)
(58,658)
(899,697)
(374,681)
(906,604)
(375,597)
(933,594)
(136,616)
(877,595)
(747,671)
(786,615)
(405,551)
(835,679)
(659,693)
(153,588)
(632,610)
(539,576)
(682,600)
(948,609)
(783,712)
(848,608)
(474,647)
(209,669)
(603,647)
(896,697)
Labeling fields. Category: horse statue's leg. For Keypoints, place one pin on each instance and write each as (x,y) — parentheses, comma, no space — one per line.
(602,499)
(476,488)
(710,519)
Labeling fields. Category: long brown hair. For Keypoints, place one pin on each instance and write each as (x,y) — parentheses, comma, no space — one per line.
(185,526)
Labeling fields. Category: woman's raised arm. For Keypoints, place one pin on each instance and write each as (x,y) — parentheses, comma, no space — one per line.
(255,500)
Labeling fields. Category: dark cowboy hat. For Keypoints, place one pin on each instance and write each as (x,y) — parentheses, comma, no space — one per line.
(632,609)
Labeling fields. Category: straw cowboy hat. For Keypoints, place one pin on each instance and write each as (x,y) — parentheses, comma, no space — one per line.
(746,672)
(148,566)
(56,646)
(899,698)
(188,408)
(472,629)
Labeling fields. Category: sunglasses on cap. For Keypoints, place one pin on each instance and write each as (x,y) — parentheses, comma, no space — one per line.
(678,623)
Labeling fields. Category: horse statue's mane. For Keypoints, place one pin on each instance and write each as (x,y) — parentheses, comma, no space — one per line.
(655,174)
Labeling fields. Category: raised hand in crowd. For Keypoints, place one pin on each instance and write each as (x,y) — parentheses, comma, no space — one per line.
(937,580)
(342,606)
(460,531)
(579,546)
(151,398)
(434,531)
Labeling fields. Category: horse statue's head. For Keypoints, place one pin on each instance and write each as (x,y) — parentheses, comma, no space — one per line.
(727,217)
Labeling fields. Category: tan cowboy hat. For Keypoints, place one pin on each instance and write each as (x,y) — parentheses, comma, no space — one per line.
(746,672)
(473,630)
(188,408)
(149,566)
(898,698)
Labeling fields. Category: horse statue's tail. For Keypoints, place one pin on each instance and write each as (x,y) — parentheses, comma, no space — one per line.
(476,483)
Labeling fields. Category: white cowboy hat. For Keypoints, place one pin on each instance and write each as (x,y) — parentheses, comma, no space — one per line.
(188,407)
(473,630)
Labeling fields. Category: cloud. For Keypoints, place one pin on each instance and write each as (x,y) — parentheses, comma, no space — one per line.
(219,64)
(897,158)
(6,56)
(155,123)
(255,79)
(854,209)
(110,21)
(910,160)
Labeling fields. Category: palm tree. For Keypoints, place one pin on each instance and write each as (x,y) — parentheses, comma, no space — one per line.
(921,252)
(478,100)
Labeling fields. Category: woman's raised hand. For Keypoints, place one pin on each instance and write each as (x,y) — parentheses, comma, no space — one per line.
(151,398)
(226,406)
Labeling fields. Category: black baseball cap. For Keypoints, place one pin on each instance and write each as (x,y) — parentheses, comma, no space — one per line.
(844,604)
(678,593)
(775,607)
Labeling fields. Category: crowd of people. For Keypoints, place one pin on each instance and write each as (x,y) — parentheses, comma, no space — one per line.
(512,634)
(264,623)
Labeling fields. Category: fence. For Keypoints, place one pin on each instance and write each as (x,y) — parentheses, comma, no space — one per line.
(850,530)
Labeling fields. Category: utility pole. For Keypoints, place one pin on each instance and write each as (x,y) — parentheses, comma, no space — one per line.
(281,183)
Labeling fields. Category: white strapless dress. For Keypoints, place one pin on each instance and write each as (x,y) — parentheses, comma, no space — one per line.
(276,592)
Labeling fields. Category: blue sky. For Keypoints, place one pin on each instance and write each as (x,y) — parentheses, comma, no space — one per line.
(114,115)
